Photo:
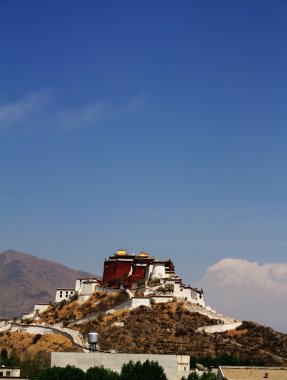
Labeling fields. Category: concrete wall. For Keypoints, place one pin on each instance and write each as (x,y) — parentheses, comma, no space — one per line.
(170,363)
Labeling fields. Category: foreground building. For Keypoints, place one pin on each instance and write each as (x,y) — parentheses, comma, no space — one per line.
(175,366)
(11,373)
(254,373)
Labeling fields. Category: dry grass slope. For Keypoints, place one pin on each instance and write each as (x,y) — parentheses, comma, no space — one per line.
(27,345)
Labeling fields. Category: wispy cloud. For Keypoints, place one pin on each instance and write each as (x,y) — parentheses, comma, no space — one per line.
(248,290)
(18,111)
(95,113)
(33,104)
(136,104)
(81,117)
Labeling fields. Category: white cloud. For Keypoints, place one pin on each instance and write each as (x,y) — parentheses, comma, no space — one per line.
(248,290)
(33,103)
(84,116)
(21,109)
(95,113)
(135,104)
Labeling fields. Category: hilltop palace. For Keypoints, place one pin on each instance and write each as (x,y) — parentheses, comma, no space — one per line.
(146,280)
(143,273)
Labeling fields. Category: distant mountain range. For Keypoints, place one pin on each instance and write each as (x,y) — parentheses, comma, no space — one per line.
(26,280)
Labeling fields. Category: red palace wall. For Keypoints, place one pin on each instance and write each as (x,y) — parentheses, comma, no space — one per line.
(120,267)
(139,271)
(115,269)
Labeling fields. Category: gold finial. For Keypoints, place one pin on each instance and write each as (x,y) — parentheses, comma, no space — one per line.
(143,254)
(121,252)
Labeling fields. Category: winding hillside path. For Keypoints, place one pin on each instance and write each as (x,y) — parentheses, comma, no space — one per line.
(75,337)
(225,323)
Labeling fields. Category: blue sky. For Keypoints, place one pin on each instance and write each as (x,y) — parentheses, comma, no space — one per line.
(156,125)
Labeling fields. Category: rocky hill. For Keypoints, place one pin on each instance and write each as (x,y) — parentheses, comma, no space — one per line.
(169,329)
(166,328)
(162,329)
(26,280)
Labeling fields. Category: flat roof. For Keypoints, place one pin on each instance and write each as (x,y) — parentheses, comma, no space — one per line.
(254,373)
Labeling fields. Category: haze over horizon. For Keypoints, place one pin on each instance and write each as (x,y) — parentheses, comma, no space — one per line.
(156,126)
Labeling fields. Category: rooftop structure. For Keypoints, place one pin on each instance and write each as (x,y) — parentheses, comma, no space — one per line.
(254,373)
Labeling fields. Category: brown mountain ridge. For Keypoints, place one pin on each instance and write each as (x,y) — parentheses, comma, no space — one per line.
(26,280)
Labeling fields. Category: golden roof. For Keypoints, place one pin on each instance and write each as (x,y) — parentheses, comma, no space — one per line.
(143,254)
(121,252)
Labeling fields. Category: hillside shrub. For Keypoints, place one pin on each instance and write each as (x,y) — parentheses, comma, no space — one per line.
(154,281)
(36,338)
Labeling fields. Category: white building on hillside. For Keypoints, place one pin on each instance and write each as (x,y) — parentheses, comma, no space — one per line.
(64,294)
(85,287)
(38,308)
(11,373)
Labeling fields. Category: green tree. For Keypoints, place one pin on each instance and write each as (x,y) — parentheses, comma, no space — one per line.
(14,359)
(101,373)
(191,376)
(32,366)
(4,355)
(208,376)
(142,371)
(59,373)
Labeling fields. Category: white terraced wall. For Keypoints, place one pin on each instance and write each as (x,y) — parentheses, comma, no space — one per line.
(40,307)
(87,289)
(220,328)
(131,304)
(158,270)
(180,292)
